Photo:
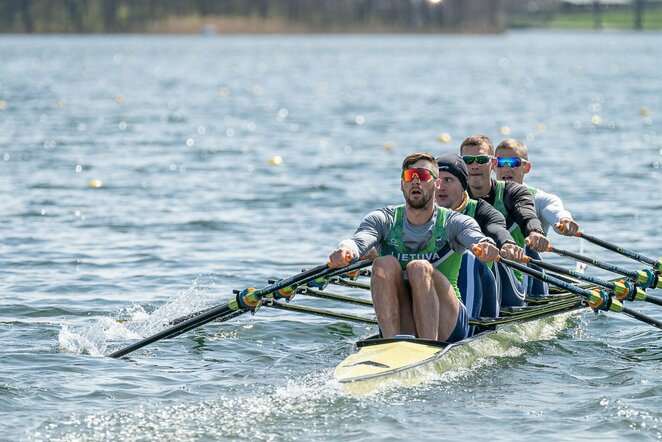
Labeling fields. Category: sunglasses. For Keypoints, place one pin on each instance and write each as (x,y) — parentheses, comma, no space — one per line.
(510,162)
(419,172)
(480,159)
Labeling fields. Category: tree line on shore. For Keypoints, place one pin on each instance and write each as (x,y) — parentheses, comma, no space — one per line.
(117,16)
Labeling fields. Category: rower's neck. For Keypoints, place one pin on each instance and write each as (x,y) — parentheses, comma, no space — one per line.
(417,217)
(483,191)
(461,202)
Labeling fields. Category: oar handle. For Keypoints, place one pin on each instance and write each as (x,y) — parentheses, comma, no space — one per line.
(561,228)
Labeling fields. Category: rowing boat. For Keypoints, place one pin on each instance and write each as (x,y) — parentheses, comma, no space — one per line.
(377,362)
(407,359)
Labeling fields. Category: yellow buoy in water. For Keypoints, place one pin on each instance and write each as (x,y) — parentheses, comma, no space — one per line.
(541,127)
(596,119)
(389,147)
(3,105)
(444,138)
(645,111)
(95,183)
(504,130)
(276,160)
(119,98)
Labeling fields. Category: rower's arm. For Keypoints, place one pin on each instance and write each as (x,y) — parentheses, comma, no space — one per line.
(462,232)
(492,223)
(519,203)
(550,210)
(371,232)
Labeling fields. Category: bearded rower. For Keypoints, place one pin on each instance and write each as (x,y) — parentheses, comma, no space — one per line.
(414,281)
(512,163)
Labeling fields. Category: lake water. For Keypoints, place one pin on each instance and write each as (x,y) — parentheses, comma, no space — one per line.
(137,185)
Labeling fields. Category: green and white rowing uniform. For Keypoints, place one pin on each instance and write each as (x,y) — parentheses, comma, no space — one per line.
(511,225)
(440,241)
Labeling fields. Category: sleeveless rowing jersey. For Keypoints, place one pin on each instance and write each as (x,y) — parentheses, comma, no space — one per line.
(511,225)
(470,211)
(437,251)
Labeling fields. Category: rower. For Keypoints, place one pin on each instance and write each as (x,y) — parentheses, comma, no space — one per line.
(512,163)
(476,281)
(513,200)
(414,280)
(452,194)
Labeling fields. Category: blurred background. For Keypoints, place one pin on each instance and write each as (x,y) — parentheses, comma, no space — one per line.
(156,155)
(297,16)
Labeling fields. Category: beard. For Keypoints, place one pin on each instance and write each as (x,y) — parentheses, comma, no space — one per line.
(423,201)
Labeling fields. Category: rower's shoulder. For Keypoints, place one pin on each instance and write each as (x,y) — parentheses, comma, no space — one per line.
(458,217)
(517,190)
(486,208)
(383,213)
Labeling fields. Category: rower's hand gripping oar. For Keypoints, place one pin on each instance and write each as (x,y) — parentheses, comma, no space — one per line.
(623,290)
(596,299)
(657,265)
(245,301)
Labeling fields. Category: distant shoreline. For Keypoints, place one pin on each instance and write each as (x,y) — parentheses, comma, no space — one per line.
(236,25)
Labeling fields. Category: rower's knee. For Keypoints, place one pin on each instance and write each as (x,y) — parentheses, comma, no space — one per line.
(419,269)
(386,267)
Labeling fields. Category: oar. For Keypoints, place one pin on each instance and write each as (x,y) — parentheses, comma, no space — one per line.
(621,289)
(288,292)
(244,301)
(319,312)
(657,265)
(597,299)
(645,278)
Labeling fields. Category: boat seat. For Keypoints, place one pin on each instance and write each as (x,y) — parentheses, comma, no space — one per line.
(477,288)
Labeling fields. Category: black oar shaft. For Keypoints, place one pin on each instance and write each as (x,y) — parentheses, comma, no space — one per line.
(657,265)
(323,313)
(594,262)
(590,296)
(620,289)
(547,278)
(182,327)
(643,318)
(220,311)
(233,308)
(645,278)
(654,300)
(562,270)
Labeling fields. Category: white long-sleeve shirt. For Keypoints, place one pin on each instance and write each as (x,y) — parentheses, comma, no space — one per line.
(549,209)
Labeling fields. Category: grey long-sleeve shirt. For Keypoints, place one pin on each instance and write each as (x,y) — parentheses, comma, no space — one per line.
(461,232)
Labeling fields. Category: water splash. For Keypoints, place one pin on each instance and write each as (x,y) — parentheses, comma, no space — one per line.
(134,322)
